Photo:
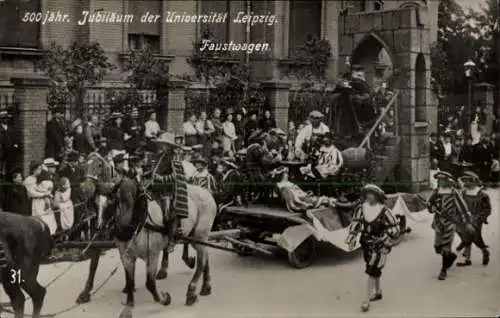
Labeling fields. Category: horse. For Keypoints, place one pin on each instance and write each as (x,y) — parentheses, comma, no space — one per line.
(132,211)
(24,241)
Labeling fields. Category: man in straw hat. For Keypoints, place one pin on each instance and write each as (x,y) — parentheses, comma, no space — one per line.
(450,211)
(478,203)
(378,228)
(170,175)
(307,136)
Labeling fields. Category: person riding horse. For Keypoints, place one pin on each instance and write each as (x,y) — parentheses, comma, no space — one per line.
(171,184)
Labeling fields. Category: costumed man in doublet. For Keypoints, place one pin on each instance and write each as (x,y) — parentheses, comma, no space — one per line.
(327,166)
(171,185)
(230,188)
(258,157)
(450,211)
(479,204)
(202,177)
(378,228)
(309,138)
(102,166)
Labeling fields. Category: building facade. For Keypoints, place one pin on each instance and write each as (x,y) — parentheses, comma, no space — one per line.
(358,30)
(21,41)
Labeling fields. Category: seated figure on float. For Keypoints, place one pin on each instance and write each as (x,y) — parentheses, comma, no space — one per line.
(326,167)
(296,199)
(306,142)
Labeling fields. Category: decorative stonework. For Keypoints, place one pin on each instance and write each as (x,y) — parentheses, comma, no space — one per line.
(404,35)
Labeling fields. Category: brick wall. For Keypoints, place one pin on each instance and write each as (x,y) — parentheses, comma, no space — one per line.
(31,94)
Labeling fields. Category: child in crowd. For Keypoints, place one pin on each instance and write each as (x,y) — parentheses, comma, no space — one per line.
(62,201)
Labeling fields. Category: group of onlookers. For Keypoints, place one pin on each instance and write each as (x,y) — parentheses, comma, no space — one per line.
(456,153)
(122,132)
(230,130)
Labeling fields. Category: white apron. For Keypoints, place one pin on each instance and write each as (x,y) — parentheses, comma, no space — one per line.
(63,201)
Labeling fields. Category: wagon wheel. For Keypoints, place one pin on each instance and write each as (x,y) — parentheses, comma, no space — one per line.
(304,255)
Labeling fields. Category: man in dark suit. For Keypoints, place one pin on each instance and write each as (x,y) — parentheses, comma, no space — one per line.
(57,130)
(10,152)
(436,150)
(356,110)
(133,131)
(483,158)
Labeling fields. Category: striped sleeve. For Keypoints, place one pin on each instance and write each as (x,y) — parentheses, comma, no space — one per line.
(391,224)
(485,205)
(432,203)
(356,224)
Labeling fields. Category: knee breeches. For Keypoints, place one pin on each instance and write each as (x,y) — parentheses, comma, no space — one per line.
(443,238)
(375,258)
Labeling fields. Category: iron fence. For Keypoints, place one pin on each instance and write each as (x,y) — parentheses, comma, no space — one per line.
(103,101)
(199,100)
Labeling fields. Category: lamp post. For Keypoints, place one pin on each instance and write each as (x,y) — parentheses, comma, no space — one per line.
(469,67)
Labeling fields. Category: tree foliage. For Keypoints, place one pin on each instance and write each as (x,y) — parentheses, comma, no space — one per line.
(463,35)
(315,54)
(72,70)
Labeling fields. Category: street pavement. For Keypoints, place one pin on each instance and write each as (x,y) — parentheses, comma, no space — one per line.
(332,287)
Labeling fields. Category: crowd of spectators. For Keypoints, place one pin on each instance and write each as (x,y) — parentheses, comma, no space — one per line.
(458,146)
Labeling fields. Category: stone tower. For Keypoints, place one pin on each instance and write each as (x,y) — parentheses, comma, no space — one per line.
(406,31)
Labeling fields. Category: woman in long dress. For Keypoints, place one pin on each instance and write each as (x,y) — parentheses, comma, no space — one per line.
(378,228)
(40,193)
(62,201)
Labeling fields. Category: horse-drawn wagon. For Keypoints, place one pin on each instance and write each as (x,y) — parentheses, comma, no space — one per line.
(273,230)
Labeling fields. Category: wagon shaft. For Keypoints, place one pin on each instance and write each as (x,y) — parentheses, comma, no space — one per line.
(82,245)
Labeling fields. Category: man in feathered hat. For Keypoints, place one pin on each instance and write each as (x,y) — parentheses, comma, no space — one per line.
(478,203)
(378,228)
(450,211)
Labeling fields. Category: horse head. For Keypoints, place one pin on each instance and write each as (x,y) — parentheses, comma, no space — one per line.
(130,206)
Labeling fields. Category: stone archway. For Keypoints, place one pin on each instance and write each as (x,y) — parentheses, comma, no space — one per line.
(420,89)
(374,54)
